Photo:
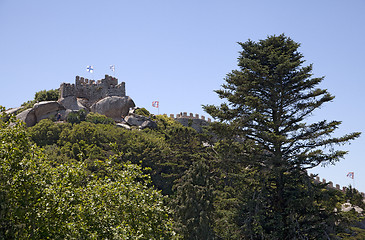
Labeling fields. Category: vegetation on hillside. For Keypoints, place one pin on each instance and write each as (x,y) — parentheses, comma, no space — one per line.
(44,95)
(243,178)
(267,102)
(51,193)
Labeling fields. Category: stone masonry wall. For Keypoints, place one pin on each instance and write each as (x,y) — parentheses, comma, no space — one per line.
(93,90)
(331,185)
(191,120)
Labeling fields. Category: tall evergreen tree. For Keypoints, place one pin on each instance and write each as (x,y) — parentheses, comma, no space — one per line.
(194,203)
(268,100)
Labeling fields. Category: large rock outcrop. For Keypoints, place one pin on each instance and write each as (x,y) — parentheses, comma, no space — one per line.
(41,110)
(139,121)
(104,96)
(46,109)
(114,107)
(72,103)
(28,117)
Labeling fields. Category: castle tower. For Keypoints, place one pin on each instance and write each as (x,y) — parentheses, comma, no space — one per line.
(93,90)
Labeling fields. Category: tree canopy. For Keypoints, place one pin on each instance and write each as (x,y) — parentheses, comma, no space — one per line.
(243,178)
(267,102)
(45,199)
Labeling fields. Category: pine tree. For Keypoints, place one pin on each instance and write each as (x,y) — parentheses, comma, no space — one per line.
(194,203)
(268,100)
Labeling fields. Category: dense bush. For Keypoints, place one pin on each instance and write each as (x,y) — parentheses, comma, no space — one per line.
(42,199)
(143,112)
(50,95)
(98,118)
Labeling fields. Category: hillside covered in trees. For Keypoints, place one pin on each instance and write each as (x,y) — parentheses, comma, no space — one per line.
(244,177)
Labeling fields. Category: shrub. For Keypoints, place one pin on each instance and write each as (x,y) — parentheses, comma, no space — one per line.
(73,117)
(143,112)
(98,118)
(44,95)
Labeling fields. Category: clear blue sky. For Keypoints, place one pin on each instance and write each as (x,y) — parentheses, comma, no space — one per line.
(178,52)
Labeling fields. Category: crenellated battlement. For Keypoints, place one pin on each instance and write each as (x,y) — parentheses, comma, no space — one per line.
(331,185)
(107,81)
(190,116)
(93,90)
(191,120)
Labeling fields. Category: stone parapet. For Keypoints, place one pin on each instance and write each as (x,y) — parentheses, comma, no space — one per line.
(190,116)
(93,90)
(191,120)
(330,184)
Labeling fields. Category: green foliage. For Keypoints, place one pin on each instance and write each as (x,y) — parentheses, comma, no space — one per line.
(194,203)
(167,152)
(81,115)
(46,132)
(267,102)
(355,233)
(98,118)
(91,178)
(143,112)
(41,200)
(354,197)
(50,95)
(73,117)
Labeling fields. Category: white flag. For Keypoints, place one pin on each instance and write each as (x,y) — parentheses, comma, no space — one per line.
(112,67)
(90,69)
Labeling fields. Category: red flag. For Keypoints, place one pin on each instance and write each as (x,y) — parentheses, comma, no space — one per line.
(155,104)
(351,175)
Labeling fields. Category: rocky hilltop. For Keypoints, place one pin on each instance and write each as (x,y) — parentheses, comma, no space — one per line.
(103,96)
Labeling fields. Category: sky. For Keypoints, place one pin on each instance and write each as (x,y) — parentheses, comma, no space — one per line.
(178,52)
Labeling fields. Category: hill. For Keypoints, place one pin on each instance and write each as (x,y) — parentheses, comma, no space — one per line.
(69,162)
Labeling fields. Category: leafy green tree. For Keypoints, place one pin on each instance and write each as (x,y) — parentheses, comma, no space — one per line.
(46,132)
(268,100)
(43,200)
(44,95)
(50,95)
(17,193)
(194,203)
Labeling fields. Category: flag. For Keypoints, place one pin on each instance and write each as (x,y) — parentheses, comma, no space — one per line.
(155,104)
(90,69)
(351,175)
(112,67)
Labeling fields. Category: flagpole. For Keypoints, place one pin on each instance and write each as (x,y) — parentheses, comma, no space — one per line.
(352,175)
(156,104)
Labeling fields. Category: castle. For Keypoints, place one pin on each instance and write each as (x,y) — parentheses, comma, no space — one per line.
(93,90)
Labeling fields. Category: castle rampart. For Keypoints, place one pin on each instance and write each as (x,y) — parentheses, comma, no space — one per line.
(191,120)
(330,185)
(190,116)
(93,90)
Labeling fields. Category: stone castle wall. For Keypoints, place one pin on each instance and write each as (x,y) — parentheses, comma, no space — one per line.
(191,120)
(190,116)
(331,185)
(93,90)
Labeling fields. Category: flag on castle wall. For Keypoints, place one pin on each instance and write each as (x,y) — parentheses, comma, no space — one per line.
(90,69)
(351,175)
(112,67)
(155,104)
